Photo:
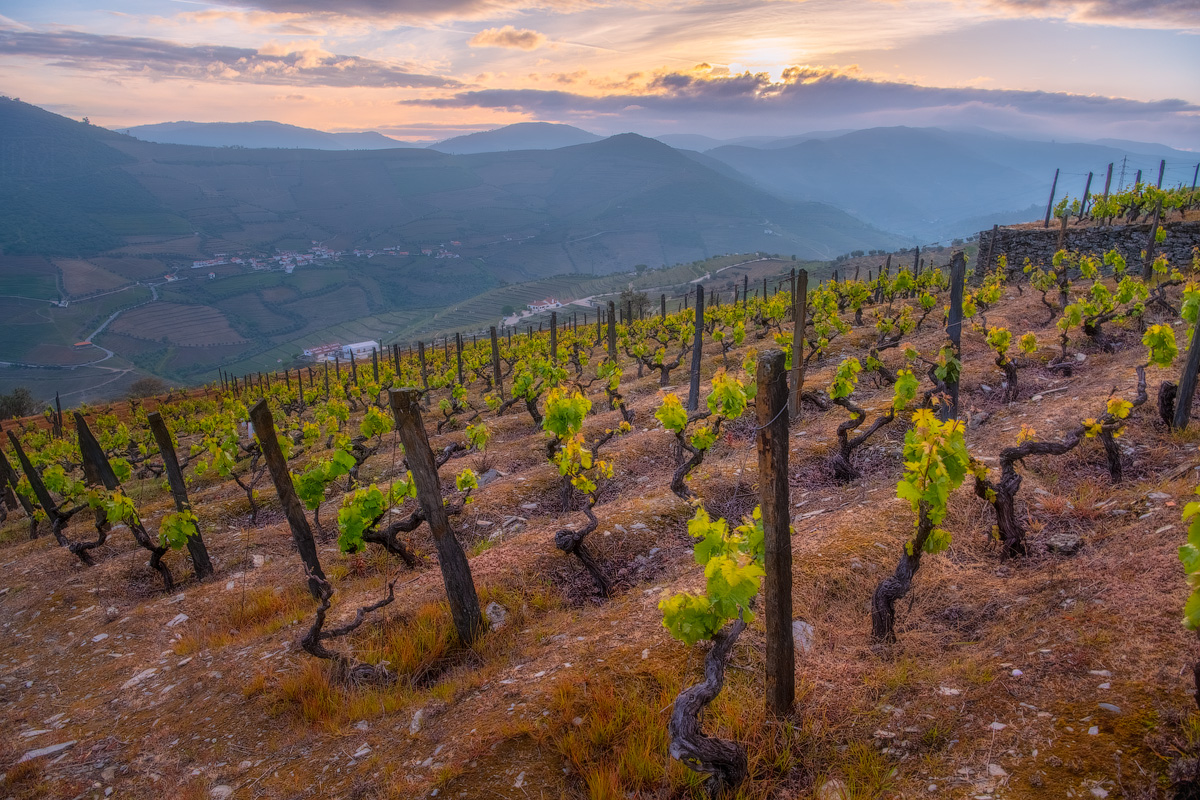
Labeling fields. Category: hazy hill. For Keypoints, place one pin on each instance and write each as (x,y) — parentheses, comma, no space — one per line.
(525,213)
(64,189)
(521,136)
(259,134)
(933,184)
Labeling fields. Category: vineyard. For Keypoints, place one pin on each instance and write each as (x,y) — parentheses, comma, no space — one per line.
(923,534)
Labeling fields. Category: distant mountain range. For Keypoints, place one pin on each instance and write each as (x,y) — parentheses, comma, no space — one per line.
(593,208)
(927,184)
(521,136)
(261,134)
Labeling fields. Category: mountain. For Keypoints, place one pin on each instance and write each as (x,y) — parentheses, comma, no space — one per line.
(691,141)
(934,184)
(521,136)
(262,134)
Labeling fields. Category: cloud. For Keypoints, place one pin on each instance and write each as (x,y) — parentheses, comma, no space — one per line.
(508,36)
(157,58)
(428,9)
(1138,13)
(810,98)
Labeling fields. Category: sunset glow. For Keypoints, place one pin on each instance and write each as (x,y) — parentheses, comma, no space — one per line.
(422,70)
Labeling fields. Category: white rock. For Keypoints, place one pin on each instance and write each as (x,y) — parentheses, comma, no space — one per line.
(946,690)
(99,637)
(997,726)
(220,792)
(1016,673)
(497,615)
(363,751)
(178,619)
(1094,731)
(833,789)
(520,781)
(997,771)
(415,725)
(258,560)
(136,679)
(46,751)
(31,734)
(802,635)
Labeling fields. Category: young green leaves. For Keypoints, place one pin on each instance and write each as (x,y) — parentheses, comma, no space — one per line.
(733,572)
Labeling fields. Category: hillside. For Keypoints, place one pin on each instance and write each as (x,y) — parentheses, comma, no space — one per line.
(934,184)
(1060,673)
(521,136)
(259,134)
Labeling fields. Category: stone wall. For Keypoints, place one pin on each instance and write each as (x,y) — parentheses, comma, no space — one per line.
(1040,244)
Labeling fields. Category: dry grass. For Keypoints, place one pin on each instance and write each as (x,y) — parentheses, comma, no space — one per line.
(575,683)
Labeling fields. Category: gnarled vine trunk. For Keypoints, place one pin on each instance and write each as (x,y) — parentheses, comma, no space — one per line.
(724,760)
(843,468)
(896,585)
(570,541)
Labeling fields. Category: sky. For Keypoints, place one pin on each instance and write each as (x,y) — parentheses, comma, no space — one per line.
(425,70)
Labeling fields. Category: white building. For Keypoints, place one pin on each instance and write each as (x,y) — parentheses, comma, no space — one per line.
(360,349)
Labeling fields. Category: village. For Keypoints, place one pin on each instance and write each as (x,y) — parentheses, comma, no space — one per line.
(288,260)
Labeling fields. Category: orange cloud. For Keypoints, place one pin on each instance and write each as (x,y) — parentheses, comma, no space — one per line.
(508,36)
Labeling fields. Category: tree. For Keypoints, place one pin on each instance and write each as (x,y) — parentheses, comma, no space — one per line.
(17,403)
(638,301)
(507,310)
(148,386)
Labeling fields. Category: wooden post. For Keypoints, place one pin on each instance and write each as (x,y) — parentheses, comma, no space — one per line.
(195,544)
(10,475)
(599,320)
(326,380)
(456,571)
(958,274)
(375,364)
(424,370)
(1162,166)
(396,359)
(612,330)
(458,355)
(1050,205)
(987,262)
(1187,383)
(35,480)
(799,314)
(662,300)
(1108,180)
(58,419)
(337,368)
(693,402)
(745,288)
(264,429)
(1087,188)
(1148,261)
(353,369)
(554,337)
(497,379)
(777,539)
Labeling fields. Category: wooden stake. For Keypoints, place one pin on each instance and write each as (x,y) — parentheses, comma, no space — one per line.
(1187,383)
(693,402)
(1050,205)
(264,429)
(195,544)
(799,314)
(777,539)
(496,377)
(456,571)
(958,274)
